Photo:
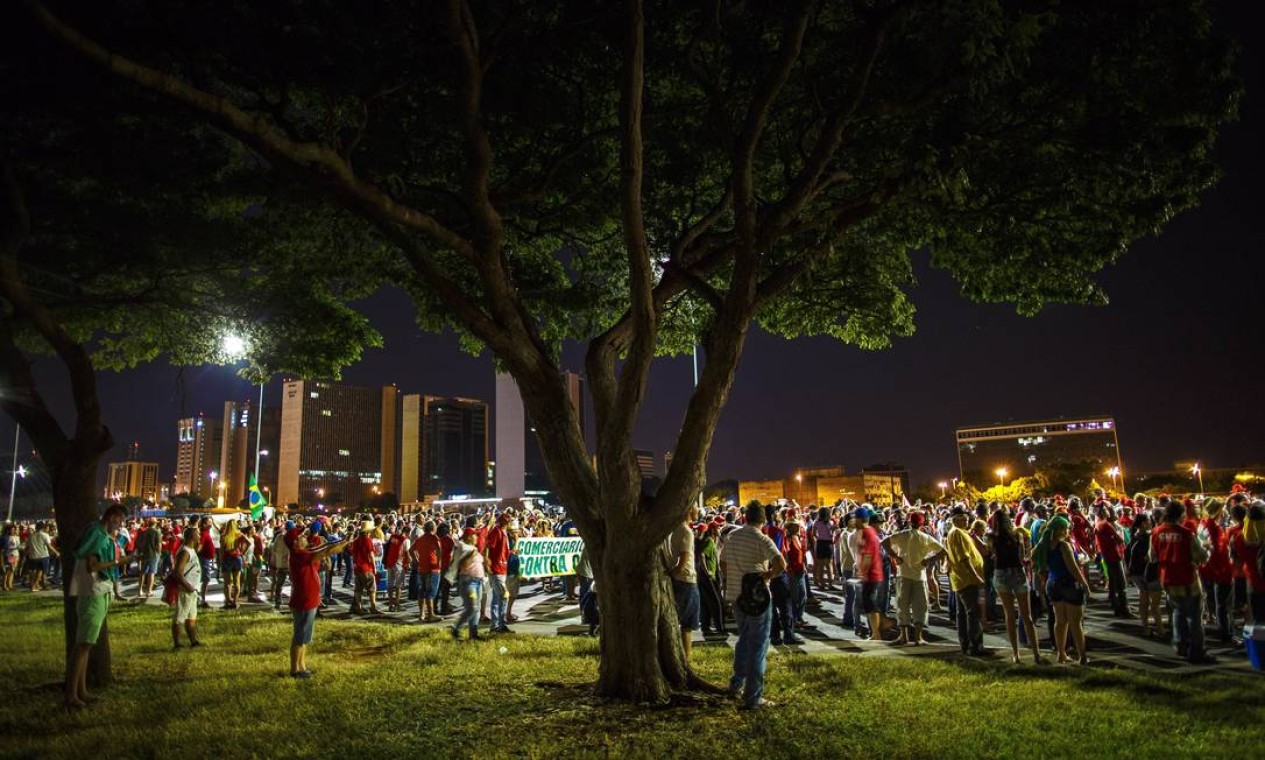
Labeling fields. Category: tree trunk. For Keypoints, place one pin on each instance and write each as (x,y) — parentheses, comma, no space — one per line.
(74,493)
(641,655)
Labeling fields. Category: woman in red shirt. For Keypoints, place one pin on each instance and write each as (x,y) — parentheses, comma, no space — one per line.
(306,554)
(794,549)
(1216,574)
(1245,545)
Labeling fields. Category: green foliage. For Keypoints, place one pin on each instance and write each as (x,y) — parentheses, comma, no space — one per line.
(1025,146)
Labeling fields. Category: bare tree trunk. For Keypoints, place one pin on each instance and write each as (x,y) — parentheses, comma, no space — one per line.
(642,659)
(75,498)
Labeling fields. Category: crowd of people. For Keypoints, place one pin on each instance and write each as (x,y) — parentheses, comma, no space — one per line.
(1190,562)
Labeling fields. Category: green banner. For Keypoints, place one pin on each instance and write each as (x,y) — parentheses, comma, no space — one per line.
(540,557)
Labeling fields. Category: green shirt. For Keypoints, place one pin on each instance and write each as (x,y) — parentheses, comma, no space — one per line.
(96,543)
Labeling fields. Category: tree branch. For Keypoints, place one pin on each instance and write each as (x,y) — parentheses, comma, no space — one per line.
(319,160)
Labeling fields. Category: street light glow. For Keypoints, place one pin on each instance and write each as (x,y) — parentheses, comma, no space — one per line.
(234,346)
(1000,472)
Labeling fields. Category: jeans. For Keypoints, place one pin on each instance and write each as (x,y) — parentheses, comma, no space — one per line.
(414,584)
(799,595)
(329,585)
(496,610)
(1188,627)
(849,599)
(278,582)
(471,590)
(585,585)
(780,590)
(1116,588)
(1218,595)
(713,607)
(970,629)
(749,655)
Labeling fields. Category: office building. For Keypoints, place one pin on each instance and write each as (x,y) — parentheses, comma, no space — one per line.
(1022,449)
(645,463)
(132,478)
(237,450)
(337,443)
(520,465)
(444,447)
(198,450)
(826,486)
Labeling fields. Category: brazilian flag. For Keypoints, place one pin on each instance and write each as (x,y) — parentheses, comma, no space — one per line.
(257,500)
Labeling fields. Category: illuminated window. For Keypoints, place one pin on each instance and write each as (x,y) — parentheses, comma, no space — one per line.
(326,413)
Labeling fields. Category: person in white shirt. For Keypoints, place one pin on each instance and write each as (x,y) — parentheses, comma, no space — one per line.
(911,550)
(748,551)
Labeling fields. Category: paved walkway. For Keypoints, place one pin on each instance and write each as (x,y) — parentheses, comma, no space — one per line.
(1112,642)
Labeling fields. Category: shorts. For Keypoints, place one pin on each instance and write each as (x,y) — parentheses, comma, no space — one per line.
(186,607)
(232,564)
(1066,592)
(208,566)
(687,604)
(869,597)
(430,585)
(395,577)
(512,584)
(304,624)
(37,565)
(91,610)
(823,549)
(1011,580)
(1140,583)
(150,566)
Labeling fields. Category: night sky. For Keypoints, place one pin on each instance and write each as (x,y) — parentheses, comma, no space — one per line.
(1176,358)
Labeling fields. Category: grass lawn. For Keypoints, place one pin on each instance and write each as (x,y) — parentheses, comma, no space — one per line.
(398,690)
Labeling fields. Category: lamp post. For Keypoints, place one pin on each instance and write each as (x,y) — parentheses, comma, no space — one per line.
(1199,473)
(1000,472)
(13,485)
(1113,473)
(943,488)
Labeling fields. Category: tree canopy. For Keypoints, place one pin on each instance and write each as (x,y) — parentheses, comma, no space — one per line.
(647,175)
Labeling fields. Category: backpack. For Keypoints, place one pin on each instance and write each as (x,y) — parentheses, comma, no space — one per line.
(754,598)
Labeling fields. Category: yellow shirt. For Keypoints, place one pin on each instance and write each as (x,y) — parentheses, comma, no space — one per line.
(963,559)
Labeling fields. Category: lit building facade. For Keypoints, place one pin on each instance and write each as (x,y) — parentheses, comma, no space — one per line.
(237,450)
(1022,449)
(132,478)
(337,443)
(199,447)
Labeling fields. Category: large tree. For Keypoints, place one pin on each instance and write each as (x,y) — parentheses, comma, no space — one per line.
(642,176)
(128,236)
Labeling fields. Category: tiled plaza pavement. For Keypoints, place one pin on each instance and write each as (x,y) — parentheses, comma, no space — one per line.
(1112,642)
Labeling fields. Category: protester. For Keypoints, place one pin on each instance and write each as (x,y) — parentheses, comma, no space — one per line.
(307,551)
(467,571)
(39,551)
(966,579)
(10,550)
(188,573)
(1178,552)
(496,554)
(1010,556)
(679,562)
(364,565)
(96,559)
(1145,577)
(149,549)
(748,552)
(912,550)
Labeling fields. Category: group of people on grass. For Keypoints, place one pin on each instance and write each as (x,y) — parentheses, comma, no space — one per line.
(1195,558)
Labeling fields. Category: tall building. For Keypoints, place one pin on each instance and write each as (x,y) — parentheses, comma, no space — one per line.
(337,443)
(132,478)
(198,450)
(1021,449)
(520,465)
(237,449)
(444,447)
(645,463)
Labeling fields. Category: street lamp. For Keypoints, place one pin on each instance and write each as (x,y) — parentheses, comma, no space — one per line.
(943,487)
(18,472)
(213,476)
(1000,472)
(1200,474)
(1113,473)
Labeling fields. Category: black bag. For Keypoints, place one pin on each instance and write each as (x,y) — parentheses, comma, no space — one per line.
(754,599)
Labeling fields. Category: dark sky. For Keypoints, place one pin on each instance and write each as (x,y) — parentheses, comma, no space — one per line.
(1176,357)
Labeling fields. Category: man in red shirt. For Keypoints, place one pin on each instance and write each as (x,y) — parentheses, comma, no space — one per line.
(427,553)
(870,571)
(1111,550)
(306,553)
(1177,552)
(496,557)
(395,560)
(206,555)
(446,546)
(364,564)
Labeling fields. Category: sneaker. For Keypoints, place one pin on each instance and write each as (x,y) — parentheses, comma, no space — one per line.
(196,643)
(302,674)
(758,704)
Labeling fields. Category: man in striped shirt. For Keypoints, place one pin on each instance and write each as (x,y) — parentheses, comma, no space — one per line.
(748,550)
